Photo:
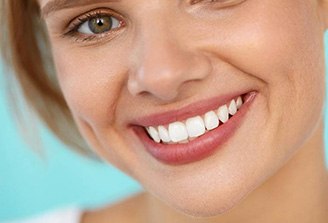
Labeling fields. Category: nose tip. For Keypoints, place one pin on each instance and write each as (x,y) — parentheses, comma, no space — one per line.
(162,71)
(161,83)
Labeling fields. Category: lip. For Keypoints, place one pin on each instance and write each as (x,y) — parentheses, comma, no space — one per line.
(188,111)
(201,147)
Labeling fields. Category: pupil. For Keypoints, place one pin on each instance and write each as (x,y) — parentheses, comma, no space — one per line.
(100,22)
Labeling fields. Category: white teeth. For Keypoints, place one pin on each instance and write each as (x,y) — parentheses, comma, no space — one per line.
(195,126)
(239,102)
(178,132)
(184,141)
(153,134)
(223,113)
(211,120)
(164,134)
(232,107)
(184,132)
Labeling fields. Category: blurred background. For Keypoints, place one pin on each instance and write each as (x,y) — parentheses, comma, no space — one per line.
(31,183)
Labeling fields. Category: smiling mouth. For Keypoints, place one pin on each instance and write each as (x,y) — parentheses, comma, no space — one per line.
(194,127)
(193,132)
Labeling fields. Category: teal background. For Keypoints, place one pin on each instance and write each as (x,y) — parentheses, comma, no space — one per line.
(30,184)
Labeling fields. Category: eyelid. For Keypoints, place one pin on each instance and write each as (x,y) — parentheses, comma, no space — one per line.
(220,3)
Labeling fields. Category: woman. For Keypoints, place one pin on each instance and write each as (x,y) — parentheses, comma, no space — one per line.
(215,107)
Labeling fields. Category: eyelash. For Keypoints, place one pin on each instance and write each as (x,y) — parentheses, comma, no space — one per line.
(224,3)
(75,25)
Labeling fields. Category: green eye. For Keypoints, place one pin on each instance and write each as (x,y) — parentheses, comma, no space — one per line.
(98,25)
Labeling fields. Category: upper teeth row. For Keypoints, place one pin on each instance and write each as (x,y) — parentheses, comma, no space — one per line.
(180,132)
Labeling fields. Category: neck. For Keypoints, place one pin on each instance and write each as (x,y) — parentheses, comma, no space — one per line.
(297,193)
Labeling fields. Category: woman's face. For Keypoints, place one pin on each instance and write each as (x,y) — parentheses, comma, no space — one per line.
(125,66)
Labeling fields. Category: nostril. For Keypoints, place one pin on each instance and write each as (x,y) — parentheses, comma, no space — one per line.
(163,92)
(164,74)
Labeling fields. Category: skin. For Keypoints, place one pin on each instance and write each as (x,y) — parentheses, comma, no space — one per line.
(271,170)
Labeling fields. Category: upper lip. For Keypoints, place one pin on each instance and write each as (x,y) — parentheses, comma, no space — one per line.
(191,110)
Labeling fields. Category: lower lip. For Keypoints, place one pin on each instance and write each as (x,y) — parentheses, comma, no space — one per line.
(199,148)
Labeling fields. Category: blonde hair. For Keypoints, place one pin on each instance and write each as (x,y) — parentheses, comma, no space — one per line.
(26,51)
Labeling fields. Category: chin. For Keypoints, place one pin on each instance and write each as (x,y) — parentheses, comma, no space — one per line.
(209,207)
(207,210)
(211,203)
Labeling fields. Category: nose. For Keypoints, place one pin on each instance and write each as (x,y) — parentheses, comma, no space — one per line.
(165,63)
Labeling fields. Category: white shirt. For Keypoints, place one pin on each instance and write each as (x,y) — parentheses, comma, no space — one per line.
(68,215)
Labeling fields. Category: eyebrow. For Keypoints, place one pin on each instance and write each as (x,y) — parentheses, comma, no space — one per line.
(55,5)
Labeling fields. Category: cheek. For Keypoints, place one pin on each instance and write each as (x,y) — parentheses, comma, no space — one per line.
(91,83)
(286,52)
(275,41)
(279,43)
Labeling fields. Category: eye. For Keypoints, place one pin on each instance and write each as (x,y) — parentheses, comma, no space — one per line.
(96,25)
(99,24)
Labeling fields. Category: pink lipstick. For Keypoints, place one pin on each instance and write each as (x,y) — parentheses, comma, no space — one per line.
(199,147)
